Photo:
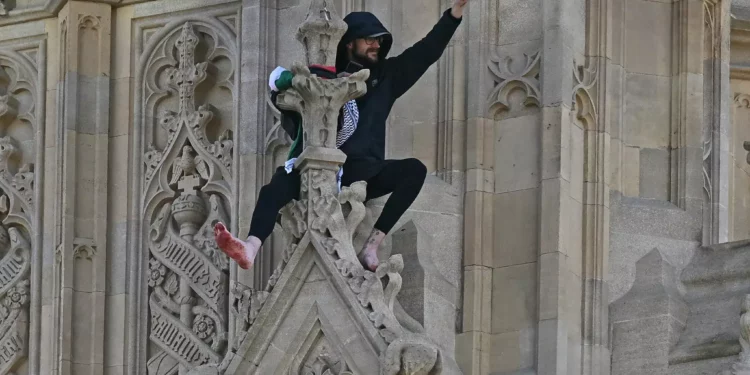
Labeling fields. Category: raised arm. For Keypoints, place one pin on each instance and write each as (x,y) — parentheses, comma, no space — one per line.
(406,68)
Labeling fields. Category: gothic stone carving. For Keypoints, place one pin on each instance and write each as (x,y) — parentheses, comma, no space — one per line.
(15,267)
(18,106)
(584,78)
(187,188)
(511,73)
(320,33)
(407,350)
(276,137)
(317,223)
(743,101)
(709,27)
(319,101)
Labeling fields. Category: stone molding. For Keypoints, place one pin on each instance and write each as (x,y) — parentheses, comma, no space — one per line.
(22,104)
(185,183)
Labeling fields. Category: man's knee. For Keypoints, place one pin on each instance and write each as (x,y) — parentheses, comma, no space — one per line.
(416,168)
(266,192)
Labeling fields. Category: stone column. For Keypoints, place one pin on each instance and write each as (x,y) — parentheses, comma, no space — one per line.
(319,101)
(257,58)
(717,130)
(79,283)
(537,190)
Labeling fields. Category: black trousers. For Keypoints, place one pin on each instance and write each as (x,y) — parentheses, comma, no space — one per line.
(403,179)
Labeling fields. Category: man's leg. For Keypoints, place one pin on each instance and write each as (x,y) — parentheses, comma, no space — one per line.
(272,198)
(404,180)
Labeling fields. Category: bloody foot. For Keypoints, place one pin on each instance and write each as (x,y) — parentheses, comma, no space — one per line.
(241,251)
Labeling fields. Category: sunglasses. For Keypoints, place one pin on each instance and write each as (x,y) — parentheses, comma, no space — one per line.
(371,40)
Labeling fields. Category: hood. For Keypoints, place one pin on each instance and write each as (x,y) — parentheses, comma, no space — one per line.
(360,25)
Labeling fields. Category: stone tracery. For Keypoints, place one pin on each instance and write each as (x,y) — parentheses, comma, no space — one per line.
(323,222)
(18,102)
(187,188)
(514,73)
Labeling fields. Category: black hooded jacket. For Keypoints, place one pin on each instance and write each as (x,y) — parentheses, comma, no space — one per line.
(389,80)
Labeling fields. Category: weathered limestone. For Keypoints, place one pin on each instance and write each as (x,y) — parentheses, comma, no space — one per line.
(565,140)
(79,277)
(321,259)
(715,284)
(648,320)
(185,191)
(426,294)
(740,89)
(22,107)
(718,104)
(742,366)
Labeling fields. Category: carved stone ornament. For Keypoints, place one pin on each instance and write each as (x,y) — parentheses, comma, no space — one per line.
(319,101)
(321,32)
(187,189)
(18,110)
(512,73)
(742,100)
(15,266)
(583,106)
(320,261)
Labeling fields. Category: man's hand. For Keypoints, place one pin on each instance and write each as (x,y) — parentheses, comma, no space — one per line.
(458,8)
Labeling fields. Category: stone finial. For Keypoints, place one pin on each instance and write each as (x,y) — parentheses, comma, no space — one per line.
(321,32)
(319,101)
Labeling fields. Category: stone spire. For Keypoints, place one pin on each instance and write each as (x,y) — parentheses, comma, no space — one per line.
(319,101)
(319,246)
(320,33)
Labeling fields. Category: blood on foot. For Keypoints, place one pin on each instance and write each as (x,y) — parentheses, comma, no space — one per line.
(231,246)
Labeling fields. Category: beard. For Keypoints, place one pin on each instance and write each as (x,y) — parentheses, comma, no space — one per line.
(368,58)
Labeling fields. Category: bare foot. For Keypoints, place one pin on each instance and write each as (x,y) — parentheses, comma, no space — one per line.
(243,252)
(369,254)
(369,260)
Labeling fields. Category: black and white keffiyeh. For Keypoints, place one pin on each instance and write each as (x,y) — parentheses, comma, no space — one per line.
(351,117)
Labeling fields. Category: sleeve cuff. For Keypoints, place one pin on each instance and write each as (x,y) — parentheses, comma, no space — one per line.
(447,14)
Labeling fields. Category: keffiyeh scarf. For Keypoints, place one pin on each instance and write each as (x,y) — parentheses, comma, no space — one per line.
(350,120)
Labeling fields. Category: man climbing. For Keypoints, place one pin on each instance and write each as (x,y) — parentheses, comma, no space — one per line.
(361,134)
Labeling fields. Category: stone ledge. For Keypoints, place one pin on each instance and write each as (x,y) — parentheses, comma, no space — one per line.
(654,218)
(716,282)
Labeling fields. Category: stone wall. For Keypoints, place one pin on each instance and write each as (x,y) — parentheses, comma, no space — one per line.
(142,114)
(740,88)
(564,140)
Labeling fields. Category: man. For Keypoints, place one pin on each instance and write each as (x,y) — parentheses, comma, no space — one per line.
(365,45)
